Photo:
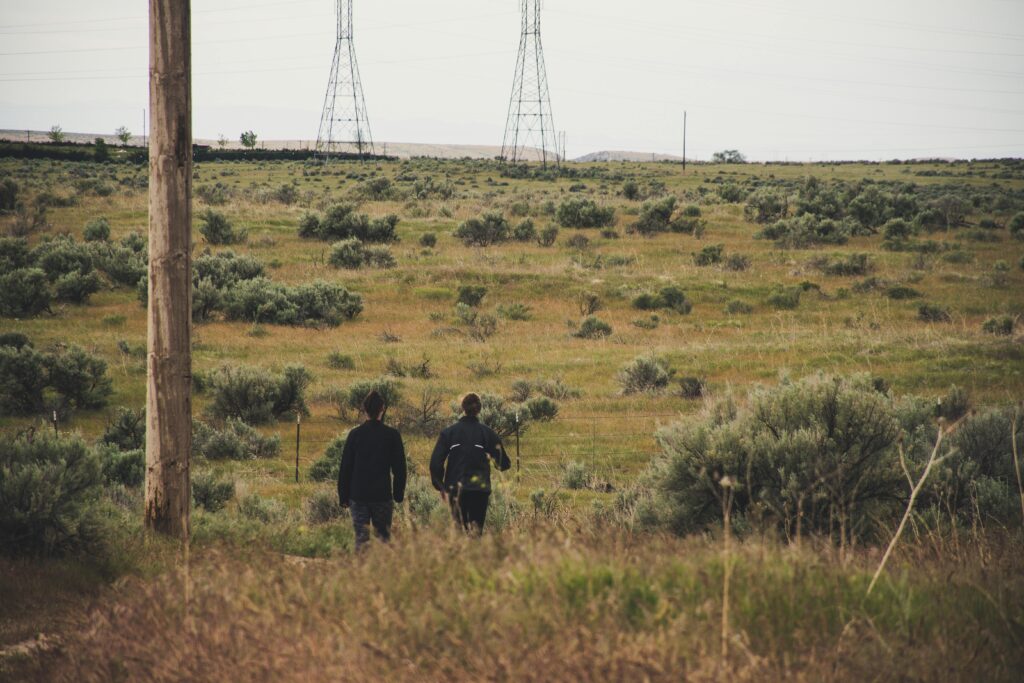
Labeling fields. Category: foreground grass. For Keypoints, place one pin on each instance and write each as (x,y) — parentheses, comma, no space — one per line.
(548,605)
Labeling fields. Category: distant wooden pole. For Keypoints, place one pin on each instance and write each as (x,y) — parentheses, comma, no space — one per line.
(169,366)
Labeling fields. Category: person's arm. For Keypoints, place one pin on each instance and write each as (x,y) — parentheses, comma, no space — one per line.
(497,451)
(398,470)
(345,473)
(437,460)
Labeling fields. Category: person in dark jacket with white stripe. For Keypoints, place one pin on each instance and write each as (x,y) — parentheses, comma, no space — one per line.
(373,473)
(460,465)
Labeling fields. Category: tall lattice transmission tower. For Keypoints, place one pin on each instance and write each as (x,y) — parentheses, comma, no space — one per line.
(344,126)
(530,125)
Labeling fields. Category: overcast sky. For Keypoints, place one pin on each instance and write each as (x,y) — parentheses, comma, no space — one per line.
(776,79)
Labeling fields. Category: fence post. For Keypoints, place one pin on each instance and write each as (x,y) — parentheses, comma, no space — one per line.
(298,442)
(593,447)
(518,465)
(55,432)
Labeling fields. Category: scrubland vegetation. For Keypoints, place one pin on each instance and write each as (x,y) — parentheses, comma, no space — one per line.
(726,386)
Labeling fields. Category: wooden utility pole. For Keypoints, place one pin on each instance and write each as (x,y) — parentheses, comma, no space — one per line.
(169,385)
(684,142)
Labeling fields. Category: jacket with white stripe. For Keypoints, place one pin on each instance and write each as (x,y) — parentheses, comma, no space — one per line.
(461,458)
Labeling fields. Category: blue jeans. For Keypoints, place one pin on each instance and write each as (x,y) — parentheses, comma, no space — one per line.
(377,514)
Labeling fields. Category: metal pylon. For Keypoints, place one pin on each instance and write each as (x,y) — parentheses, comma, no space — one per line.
(530,125)
(344,126)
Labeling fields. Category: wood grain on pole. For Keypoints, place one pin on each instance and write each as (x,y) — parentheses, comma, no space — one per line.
(169,366)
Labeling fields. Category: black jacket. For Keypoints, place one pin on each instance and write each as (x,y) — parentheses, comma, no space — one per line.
(373,453)
(462,457)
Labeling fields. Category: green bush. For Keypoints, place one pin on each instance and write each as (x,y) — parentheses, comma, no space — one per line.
(217,229)
(353,254)
(737,262)
(225,269)
(48,491)
(341,222)
(784,298)
(515,311)
(576,475)
(322,507)
(547,236)
(122,265)
(328,467)
(15,340)
(23,379)
(898,229)
(525,231)
(491,228)
(766,206)
(124,467)
(645,374)
(256,396)
(24,293)
(577,241)
(127,431)
(263,301)
(709,255)
(542,409)
(78,377)
(337,360)
(670,297)
(593,328)
(260,509)
(75,287)
(655,216)
(931,313)
(428,240)
(14,254)
(1016,225)
(810,453)
(471,295)
(806,231)
(8,194)
(849,266)
(1003,325)
(236,441)
(210,492)
(578,212)
(387,387)
(902,293)
(96,230)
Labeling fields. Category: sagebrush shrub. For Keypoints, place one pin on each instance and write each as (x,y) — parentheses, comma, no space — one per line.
(353,254)
(593,328)
(930,313)
(709,255)
(263,301)
(235,441)
(96,230)
(127,431)
(328,467)
(341,222)
(491,228)
(766,206)
(48,490)
(542,409)
(784,298)
(124,467)
(211,492)
(217,229)
(806,231)
(471,295)
(1002,325)
(257,396)
(578,212)
(322,507)
(576,475)
(24,293)
(547,236)
(525,231)
(428,240)
(645,374)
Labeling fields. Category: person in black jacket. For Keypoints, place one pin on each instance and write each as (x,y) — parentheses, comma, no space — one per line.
(373,455)
(460,465)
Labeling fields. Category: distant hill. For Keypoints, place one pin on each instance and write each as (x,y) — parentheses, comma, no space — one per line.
(612,155)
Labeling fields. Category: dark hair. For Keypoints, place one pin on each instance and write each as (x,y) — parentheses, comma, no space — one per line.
(471,405)
(374,404)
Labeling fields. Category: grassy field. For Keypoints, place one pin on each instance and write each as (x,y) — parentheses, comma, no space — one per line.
(574,603)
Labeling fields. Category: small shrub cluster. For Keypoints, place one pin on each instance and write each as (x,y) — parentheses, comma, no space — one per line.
(491,228)
(784,298)
(593,328)
(341,222)
(671,298)
(848,266)
(645,374)
(711,255)
(354,254)
(49,489)
(806,231)
(263,301)
(256,396)
(217,229)
(659,216)
(236,440)
(930,313)
(211,492)
(578,212)
(32,382)
(1002,325)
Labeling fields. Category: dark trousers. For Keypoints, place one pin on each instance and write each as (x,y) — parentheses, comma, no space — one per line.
(377,514)
(469,508)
